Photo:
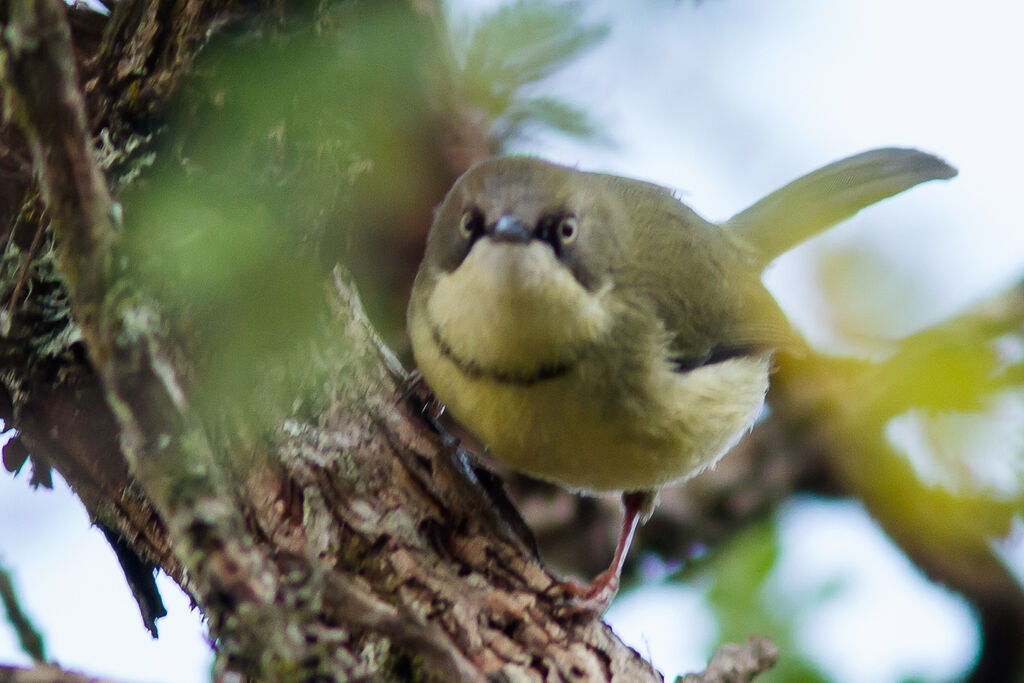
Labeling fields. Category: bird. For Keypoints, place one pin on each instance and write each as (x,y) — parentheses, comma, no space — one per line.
(596,332)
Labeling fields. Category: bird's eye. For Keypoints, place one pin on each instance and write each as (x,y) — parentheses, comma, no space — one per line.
(471,224)
(568,229)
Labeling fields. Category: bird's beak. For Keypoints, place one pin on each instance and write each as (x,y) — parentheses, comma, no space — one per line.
(509,228)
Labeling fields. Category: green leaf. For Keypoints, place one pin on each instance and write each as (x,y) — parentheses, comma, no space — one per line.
(527,41)
(514,48)
(544,112)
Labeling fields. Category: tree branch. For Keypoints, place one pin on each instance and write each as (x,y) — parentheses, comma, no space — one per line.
(41,87)
(737,663)
(28,637)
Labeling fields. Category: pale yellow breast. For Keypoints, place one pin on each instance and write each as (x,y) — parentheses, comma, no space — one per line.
(576,430)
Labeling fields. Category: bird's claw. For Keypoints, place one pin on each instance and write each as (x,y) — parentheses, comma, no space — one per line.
(587,600)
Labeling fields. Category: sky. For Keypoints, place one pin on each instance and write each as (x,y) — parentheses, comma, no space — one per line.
(70,584)
(724,101)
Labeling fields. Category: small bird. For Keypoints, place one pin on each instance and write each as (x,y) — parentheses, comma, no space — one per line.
(596,332)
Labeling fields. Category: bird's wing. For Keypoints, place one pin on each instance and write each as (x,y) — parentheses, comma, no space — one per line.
(698,279)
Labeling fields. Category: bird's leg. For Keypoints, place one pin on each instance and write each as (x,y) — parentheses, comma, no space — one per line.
(595,598)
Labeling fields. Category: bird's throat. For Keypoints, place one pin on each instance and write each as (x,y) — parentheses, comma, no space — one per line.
(513,314)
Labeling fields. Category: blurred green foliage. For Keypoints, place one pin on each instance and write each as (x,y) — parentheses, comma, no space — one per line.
(894,425)
(292,141)
(928,435)
(508,52)
(315,138)
(930,438)
(740,596)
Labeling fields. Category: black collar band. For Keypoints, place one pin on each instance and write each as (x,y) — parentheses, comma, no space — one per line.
(477,371)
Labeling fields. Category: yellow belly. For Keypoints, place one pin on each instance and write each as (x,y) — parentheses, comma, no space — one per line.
(575,430)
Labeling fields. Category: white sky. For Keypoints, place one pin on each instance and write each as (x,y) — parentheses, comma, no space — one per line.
(71,586)
(724,101)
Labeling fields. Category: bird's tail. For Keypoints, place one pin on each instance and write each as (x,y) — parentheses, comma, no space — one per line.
(822,198)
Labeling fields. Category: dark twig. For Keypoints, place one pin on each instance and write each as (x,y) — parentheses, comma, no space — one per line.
(37,240)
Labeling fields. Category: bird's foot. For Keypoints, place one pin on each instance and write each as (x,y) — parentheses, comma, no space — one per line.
(589,600)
